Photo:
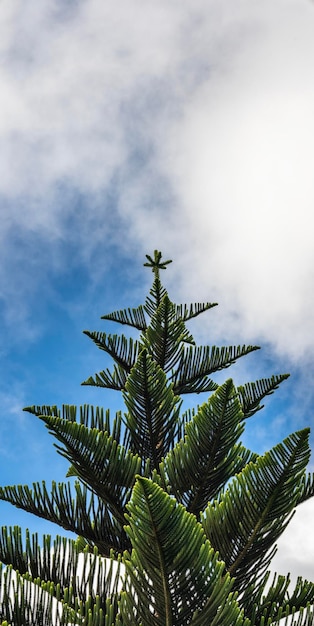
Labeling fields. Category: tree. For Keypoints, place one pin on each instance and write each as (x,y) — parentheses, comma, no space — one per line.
(185,515)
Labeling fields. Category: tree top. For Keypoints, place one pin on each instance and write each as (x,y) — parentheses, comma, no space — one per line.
(156,263)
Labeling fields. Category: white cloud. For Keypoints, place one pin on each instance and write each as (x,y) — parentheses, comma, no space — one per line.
(296,545)
(65,84)
(295,549)
(200,113)
(242,160)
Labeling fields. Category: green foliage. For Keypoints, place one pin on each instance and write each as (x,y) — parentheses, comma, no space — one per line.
(176,520)
(180,581)
(262,514)
(203,462)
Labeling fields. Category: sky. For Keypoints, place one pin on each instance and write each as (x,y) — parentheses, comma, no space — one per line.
(182,126)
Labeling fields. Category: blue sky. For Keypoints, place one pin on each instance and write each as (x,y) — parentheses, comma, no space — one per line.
(182,126)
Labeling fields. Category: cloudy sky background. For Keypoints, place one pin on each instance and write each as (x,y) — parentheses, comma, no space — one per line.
(183,126)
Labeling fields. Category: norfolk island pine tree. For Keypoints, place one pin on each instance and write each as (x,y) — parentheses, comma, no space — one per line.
(185,515)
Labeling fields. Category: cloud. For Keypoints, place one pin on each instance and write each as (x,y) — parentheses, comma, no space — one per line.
(75,81)
(242,160)
(183,127)
(67,85)
(295,547)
